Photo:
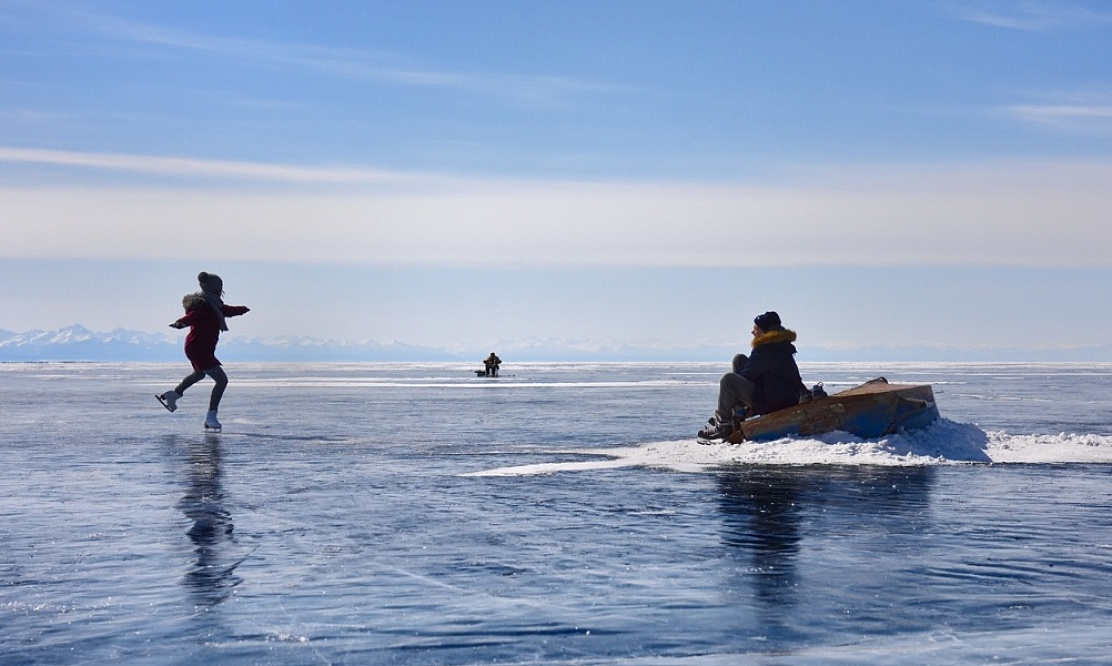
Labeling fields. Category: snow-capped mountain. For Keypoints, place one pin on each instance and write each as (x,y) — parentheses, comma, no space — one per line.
(77,343)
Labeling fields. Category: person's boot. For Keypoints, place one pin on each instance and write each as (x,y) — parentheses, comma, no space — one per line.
(169,400)
(717,428)
(211,423)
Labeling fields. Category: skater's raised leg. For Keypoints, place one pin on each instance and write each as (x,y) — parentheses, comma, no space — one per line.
(190,380)
(169,400)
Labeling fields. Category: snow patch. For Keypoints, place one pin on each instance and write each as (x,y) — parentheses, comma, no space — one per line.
(943,443)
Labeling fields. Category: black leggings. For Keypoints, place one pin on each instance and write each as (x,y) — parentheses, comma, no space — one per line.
(218,376)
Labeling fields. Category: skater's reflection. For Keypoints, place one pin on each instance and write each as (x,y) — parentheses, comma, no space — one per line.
(212,577)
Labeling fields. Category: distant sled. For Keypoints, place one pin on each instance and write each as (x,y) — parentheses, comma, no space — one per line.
(870,410)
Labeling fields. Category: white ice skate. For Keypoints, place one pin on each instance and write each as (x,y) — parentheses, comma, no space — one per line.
(211,424)
(169,400)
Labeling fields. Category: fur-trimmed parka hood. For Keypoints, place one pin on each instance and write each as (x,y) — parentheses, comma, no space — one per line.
(773,337)
(194,301)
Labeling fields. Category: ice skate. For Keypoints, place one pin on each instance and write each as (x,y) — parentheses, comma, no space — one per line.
(211,424)
(169,400)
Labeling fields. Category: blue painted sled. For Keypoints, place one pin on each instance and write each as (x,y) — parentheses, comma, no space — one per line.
(873,409)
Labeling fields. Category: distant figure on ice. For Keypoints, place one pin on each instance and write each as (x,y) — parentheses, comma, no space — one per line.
(204,315)
(765,381)
(491,363)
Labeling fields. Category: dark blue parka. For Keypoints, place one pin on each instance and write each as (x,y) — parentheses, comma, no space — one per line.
(771,367)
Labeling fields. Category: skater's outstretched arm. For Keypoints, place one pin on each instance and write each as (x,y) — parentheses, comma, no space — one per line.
(188,319)
(234,310)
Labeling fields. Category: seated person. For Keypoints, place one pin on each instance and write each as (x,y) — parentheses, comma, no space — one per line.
(491,363)
(765,381)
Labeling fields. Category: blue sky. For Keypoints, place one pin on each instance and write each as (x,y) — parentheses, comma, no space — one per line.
(468,174)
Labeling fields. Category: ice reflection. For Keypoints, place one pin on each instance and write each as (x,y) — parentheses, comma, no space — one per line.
(769,513)
(761,516)
(211,579)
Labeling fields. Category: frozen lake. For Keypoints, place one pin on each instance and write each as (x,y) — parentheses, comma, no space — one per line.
(560,514)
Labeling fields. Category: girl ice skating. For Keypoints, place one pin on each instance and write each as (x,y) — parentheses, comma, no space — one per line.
(205,313)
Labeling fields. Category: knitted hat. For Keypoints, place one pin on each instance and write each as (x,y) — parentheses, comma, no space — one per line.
(210,282)
(769,321)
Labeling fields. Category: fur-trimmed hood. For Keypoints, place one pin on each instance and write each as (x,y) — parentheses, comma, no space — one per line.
(206,299)
(773,337)
(194,301)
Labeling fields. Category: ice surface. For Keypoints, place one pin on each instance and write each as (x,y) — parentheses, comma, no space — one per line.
(412,513)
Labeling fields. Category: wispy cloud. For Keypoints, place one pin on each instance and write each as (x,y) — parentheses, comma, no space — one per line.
(1031,16)
(1083,119)
(1076,113)
(348,63)
(182,166)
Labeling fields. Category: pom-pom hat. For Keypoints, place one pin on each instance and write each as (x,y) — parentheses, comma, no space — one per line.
(210,282)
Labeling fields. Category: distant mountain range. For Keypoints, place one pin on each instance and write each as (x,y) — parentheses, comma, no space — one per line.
(77,343)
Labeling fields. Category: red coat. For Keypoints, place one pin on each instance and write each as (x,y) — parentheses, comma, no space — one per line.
(204,333)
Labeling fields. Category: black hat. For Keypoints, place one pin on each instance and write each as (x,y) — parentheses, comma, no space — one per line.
(769,321)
